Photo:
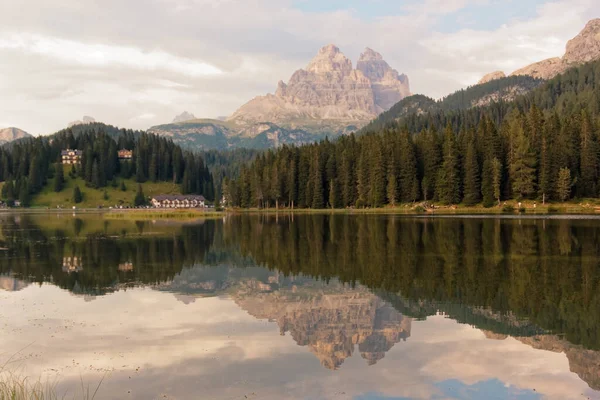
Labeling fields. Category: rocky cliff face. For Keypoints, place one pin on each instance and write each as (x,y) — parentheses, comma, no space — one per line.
(329,89)
(10,134)
(546,69)
(583,48)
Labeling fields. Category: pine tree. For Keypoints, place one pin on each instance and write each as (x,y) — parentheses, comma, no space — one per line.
(140,176)
(487,187)
(448,180)
(96,182)
(105,195)
(564,184)
(409,185)
(471,182)
(123,187)
(522,163)
(362,174)
(496,168)
(77,196)
(318,200)
(377,175)
(587,184)
(59,178)
(24,193)
(392,182)
(140,199)
(546,166)
(333,194)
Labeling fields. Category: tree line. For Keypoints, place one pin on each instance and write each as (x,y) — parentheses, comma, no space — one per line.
(28,165)
(544,145)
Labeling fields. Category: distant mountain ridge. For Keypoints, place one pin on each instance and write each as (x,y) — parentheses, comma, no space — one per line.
(8,135)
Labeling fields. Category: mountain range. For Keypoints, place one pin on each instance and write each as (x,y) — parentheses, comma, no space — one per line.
(327,98)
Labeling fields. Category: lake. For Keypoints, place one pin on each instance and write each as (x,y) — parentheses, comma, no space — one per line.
(365,307)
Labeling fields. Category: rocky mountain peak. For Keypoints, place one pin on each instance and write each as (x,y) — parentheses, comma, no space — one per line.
(329,59)
(584,47)
(370,55)
(329,89)
(184,116)
(10,134)
(492,76)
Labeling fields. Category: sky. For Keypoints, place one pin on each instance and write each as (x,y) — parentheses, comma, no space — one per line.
(138,63)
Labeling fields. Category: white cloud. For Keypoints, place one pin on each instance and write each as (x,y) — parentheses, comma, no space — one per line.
(101,55)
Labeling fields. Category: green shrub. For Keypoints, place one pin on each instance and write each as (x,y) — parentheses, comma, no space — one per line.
(508,208)
(419,209)
(522,210)
(552,210)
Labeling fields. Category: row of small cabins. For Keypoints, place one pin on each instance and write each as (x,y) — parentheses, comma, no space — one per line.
(70,156)
(178,201)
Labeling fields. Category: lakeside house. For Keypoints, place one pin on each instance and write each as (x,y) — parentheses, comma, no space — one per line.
(178,201)
(70,156)
(125,155)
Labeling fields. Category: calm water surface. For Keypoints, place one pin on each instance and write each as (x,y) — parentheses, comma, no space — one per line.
(309,307)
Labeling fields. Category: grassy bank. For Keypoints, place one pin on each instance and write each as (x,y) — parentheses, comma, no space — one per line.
(92,198)
(152,214)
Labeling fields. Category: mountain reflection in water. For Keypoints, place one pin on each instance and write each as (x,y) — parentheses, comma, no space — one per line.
(339,284)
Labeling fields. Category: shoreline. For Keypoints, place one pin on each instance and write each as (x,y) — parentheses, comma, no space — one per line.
(563,210)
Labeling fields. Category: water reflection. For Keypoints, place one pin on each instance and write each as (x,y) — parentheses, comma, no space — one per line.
(343,287)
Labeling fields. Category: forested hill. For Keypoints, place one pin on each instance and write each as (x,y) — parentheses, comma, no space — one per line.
(543,145)
(27,165)
(504,89)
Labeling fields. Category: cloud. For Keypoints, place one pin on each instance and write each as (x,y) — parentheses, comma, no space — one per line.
(100,55)
(119,59)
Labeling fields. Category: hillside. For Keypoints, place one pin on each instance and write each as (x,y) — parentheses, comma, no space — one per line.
(498,90)
(31,168)
(93,198)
